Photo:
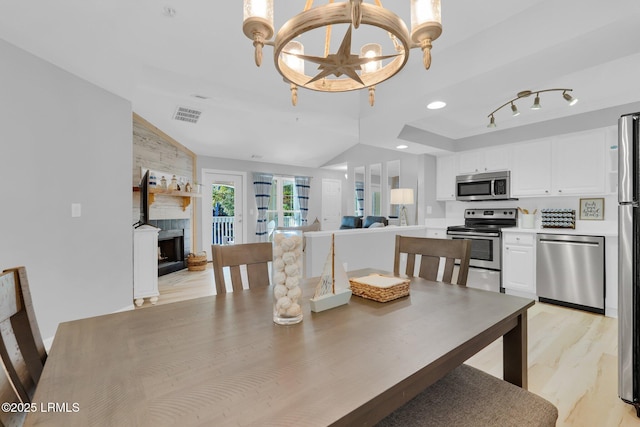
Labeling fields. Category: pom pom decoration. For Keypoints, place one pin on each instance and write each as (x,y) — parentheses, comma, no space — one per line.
(278,264)
(289,258)
(287,275)
(280,291)
(291,270)
(292,282)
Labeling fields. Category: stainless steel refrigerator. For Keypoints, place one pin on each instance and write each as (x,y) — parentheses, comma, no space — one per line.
(628,259)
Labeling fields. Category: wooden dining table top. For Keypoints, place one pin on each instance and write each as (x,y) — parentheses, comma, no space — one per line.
(220,360)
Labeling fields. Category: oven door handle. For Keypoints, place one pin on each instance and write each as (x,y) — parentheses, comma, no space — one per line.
(464,234)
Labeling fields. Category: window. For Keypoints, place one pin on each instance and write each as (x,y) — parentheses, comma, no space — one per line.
(284,209)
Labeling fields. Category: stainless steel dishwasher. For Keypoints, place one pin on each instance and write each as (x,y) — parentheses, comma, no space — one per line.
(570,271)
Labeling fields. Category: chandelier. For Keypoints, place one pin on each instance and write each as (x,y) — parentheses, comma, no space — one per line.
(536,103)
(342,70)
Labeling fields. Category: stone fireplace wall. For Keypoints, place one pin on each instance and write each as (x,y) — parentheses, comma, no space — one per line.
(155,150)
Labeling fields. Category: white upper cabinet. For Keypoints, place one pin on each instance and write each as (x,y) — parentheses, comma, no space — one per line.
(484,160)
(446,178)
(572,164)
(579,163)
(531,173)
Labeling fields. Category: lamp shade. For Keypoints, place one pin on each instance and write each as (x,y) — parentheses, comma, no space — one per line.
(402,196)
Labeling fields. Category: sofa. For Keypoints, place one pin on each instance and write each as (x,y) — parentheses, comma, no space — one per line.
(351,222)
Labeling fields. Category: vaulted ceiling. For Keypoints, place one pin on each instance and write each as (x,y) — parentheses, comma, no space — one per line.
(199,58)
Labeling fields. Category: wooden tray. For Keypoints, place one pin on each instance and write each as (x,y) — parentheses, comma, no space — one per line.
(380,288)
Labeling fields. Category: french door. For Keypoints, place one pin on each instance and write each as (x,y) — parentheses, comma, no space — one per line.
(222,208)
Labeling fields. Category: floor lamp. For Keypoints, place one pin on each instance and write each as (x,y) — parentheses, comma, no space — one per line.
(403,197)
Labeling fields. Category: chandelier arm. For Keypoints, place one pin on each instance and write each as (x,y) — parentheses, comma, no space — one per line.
(308,5)
(525,96)
(327,40)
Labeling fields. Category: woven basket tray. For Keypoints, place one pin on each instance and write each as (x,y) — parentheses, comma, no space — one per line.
(197,262)
(365,287)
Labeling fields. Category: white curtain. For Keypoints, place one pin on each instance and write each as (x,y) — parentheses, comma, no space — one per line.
(262,188)
(303,186)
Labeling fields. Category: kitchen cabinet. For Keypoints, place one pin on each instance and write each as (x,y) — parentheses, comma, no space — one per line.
(572,164)
(531,174)
(437,233)
(145,264)
(446,178)
(578,163)
(485,160)
(519,264)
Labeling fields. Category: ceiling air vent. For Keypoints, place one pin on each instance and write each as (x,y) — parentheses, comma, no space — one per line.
(187,115)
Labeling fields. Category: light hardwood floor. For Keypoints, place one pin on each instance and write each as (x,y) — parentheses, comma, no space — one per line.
(572,355)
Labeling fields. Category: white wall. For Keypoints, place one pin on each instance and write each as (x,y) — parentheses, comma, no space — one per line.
(64,141)
(315,195)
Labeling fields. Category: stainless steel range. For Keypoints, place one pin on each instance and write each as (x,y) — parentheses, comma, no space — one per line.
(482,227)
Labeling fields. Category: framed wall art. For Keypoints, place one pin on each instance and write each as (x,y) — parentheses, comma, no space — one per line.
(592,209)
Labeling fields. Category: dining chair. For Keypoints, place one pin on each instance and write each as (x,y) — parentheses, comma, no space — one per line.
(469,397)
(432,250)
(21,348)
(256,258)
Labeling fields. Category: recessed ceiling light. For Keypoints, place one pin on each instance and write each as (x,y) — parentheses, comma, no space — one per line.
(402,147)
(436,105)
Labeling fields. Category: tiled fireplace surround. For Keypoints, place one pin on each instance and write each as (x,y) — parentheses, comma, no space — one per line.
(175,226)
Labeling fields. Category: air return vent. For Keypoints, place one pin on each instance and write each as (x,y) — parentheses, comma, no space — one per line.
(187,114)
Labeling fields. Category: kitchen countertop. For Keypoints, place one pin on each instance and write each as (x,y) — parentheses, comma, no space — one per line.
(603,228)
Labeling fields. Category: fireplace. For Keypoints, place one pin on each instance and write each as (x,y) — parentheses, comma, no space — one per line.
(171,251)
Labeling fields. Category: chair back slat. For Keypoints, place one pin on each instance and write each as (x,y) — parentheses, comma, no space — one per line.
(431,251)
(255,256)
(17,345)
(236,278)
(429,266)
(258,275)
(21,348)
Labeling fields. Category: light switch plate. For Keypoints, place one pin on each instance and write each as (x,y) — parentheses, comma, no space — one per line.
(76,210)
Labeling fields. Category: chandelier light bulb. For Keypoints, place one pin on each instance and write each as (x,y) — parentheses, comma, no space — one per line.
(492,122)
(259,9)
(424,11)
(371,50)
(426,26)
(289,57)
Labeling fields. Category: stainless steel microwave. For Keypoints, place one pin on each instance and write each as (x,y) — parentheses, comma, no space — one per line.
(484,186)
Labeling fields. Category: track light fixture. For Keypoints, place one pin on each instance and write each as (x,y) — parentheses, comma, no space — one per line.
(570,99)
(536,103)
(515,110)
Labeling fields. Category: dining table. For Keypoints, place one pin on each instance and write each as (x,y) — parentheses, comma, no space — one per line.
(222,361)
